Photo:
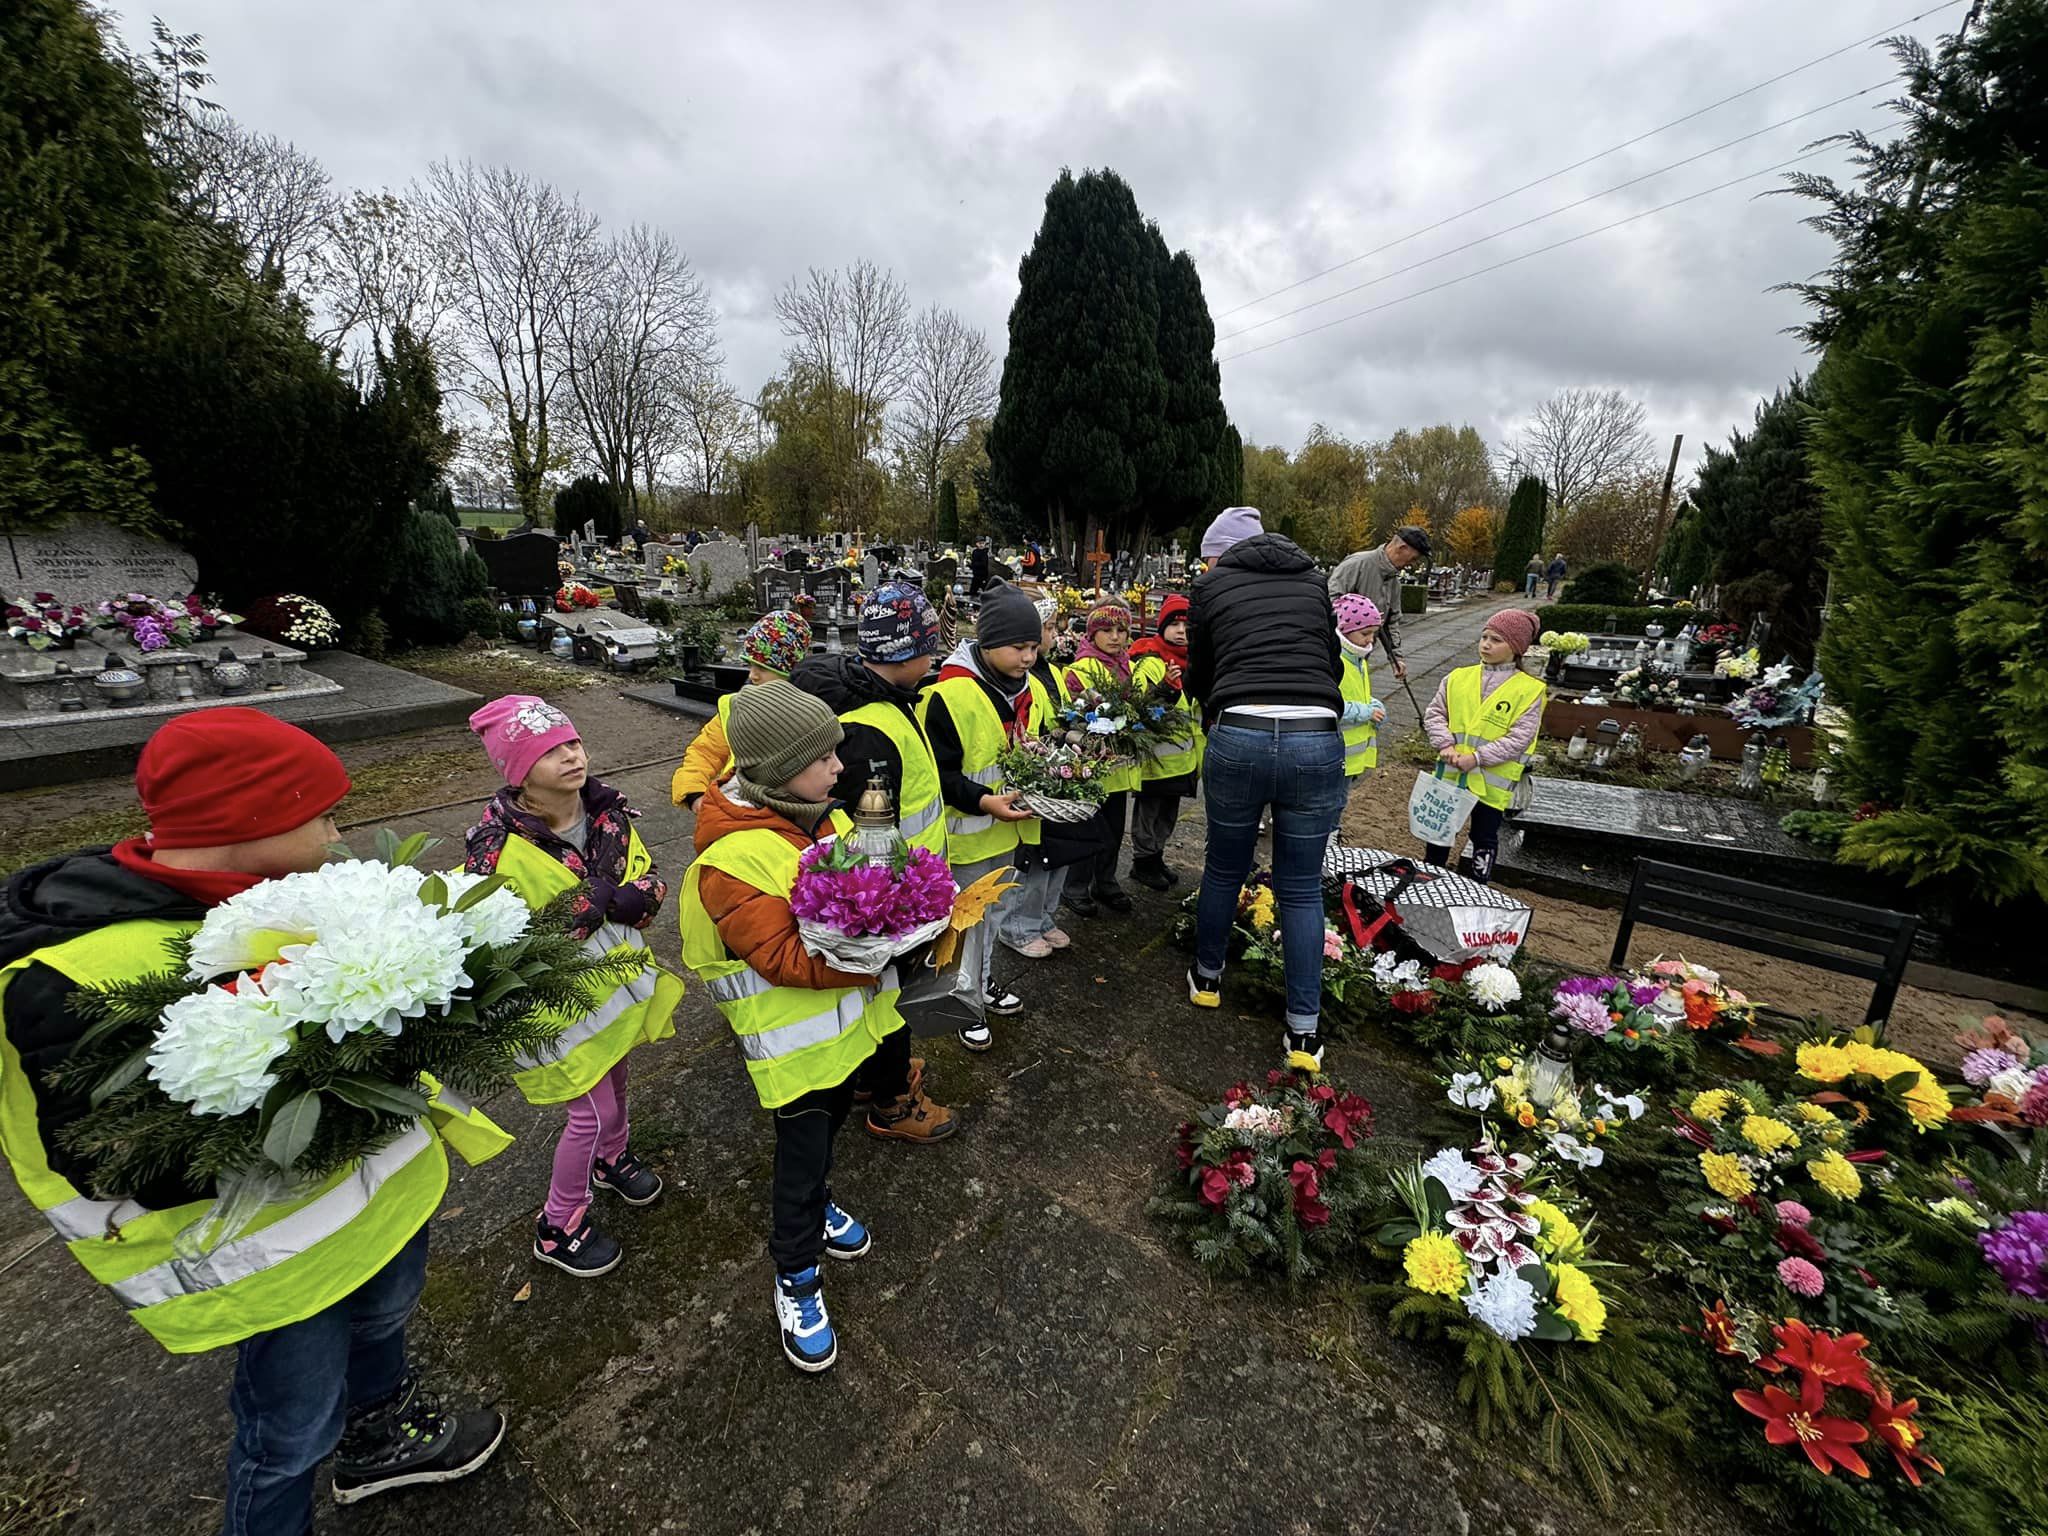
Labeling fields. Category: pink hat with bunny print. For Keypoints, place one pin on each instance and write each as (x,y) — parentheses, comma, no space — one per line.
(518,731)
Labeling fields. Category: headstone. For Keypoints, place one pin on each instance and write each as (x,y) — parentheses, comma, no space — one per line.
(525,564)
(871,570)
(89,560)
(590,532)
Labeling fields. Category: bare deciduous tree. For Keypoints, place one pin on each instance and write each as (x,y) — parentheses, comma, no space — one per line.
(716,422)
(516,256)
(853,331)
(949,380)
(276,196)
(1581,440)
(635,335)
(382,272)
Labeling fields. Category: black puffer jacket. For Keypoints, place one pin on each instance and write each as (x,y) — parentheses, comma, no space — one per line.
(45,905)
(845,683)
(1263,631)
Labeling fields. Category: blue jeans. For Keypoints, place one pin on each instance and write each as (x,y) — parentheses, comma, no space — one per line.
(1300,774)
(297,1387)
(1530,589)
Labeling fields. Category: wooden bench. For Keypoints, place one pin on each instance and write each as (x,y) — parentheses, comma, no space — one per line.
(1870,942)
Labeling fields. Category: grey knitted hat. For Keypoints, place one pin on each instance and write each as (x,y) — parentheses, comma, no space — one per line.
(1007,617)
(776,731)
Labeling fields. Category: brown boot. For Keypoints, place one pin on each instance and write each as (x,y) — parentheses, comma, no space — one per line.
(865,1096)
(912,1118)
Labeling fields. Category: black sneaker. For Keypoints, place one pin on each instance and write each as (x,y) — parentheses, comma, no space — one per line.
(628,1178)
(1002,1002)
(1081,904)
(1151,873)
(409,1442)
(585,1253)
(1113,897)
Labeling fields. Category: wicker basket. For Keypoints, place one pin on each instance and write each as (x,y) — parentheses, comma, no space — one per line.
(1046,808)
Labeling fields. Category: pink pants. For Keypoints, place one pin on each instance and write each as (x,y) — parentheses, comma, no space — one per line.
(597,1128)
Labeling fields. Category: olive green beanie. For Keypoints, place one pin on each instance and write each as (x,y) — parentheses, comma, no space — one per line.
(776,731)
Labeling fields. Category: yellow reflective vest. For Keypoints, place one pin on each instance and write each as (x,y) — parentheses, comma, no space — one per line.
(1093,674)
(795,1039)
(1175,758)
(1361,742)
(973,837)
(921,813)
(638,1009)
(1475,721)
(296,1258)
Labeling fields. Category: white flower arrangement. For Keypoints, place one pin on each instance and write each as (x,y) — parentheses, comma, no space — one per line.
(214,1049)
(1493,986)
(1468,1090)
(1256,1120)
(1451,1169)
(1505,1303)
(1391,975)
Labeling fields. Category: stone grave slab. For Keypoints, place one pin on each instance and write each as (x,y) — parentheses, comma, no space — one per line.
(1659,822)
(88,560)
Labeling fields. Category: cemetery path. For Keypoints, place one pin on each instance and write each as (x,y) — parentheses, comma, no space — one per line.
(1023,1352)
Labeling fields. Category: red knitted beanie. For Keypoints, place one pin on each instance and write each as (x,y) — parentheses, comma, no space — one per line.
(231,775)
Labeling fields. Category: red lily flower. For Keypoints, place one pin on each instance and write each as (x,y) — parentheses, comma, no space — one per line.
(1348,1119)
(1824,1359)
(1790,1420)
(1303,1177)
(1326,1160)
(1718,1328)
(1893,1425)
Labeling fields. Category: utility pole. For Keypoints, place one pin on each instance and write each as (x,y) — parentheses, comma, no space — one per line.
(1663,514)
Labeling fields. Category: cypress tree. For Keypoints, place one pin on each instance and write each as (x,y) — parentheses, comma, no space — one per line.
(1521,535)
(1076,438)
(1759,515)
(1200,463)
(949,512)
(1930,445)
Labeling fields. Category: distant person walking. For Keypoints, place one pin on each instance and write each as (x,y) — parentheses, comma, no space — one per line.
(1554,574)
(1376,574)
(1263,663)
(1535,574)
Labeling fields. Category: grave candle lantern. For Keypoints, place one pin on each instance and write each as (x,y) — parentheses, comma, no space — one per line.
(1549,1067)
(1607,735)
(1577,748)
(1693,756)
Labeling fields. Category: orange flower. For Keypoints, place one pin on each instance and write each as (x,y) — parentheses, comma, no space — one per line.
(1700,1010)
(1833,1360)
(1718,1328)
(1893,1425)
(1799,1421)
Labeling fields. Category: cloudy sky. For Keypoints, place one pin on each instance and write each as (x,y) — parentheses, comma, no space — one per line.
(1271,140)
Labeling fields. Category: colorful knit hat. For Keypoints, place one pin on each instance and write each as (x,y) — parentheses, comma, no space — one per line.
(1355,612)
(898,623)
(1108,614)
(777,642)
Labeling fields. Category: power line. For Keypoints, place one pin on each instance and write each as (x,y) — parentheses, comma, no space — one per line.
(1452,282)
(1620,186)
(1947,5)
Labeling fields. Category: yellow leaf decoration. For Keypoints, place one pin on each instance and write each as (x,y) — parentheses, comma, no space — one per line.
(969,908)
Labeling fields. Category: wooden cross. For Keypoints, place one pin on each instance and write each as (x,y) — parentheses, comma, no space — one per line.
(1098,557)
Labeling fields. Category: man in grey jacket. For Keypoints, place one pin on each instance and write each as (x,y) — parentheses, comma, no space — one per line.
(1376,573)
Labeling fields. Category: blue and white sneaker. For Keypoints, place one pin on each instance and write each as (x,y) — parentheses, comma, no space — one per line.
(807,1336)
(845,1238)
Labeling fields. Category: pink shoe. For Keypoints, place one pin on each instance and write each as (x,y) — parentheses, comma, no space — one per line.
(1033,949)
(1056,937)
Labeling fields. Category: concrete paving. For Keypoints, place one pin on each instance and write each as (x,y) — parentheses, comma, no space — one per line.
(1022,1352)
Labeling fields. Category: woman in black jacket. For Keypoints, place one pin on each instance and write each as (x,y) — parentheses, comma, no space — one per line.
(1263,664)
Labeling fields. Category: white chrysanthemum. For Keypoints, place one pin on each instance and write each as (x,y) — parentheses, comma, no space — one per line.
(1468,1092)
(1505,1303)
(213,1050)
(1450,1169)
(500,918)
(372,976)
(242,933)
(2012,1082)
(1493,986)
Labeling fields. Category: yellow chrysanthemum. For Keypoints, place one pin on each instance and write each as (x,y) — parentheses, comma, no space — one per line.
(1813,1114)
(1875,1061)
(1927,1102)
(1824,1063)
(1725,1176)
(1767,1134)
(1560,1234)
(1579,1303)
(1836,1174)
(1435,1264)
(1711,1105)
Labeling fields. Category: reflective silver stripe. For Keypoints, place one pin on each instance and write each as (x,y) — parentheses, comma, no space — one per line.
(628,994)
(82,1217)
(1175,748)
(740,985)
(1498,781)
(1468,739)
(920,820)
(985,777)
(966,826)
(285,1238)
(447,1098)
(819,1028)
(1358,749)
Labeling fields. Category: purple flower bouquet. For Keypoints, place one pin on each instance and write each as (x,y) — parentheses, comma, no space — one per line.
(860,914)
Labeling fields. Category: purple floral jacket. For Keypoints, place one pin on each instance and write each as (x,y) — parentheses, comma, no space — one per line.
(607,895)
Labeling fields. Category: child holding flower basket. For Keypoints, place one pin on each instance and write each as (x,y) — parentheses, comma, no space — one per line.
(552,829)
(1103,660)
(1169,771)
(804,1026)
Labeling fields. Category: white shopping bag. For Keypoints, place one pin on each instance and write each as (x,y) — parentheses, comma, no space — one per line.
(1438,809)
(1450,917)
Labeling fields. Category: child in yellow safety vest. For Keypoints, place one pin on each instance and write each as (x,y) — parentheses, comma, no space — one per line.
(980,704)
(771,649)
(1103,658)
(1358,626)
(553,828)
(1169,775)
(1483,724)
(804,1027)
